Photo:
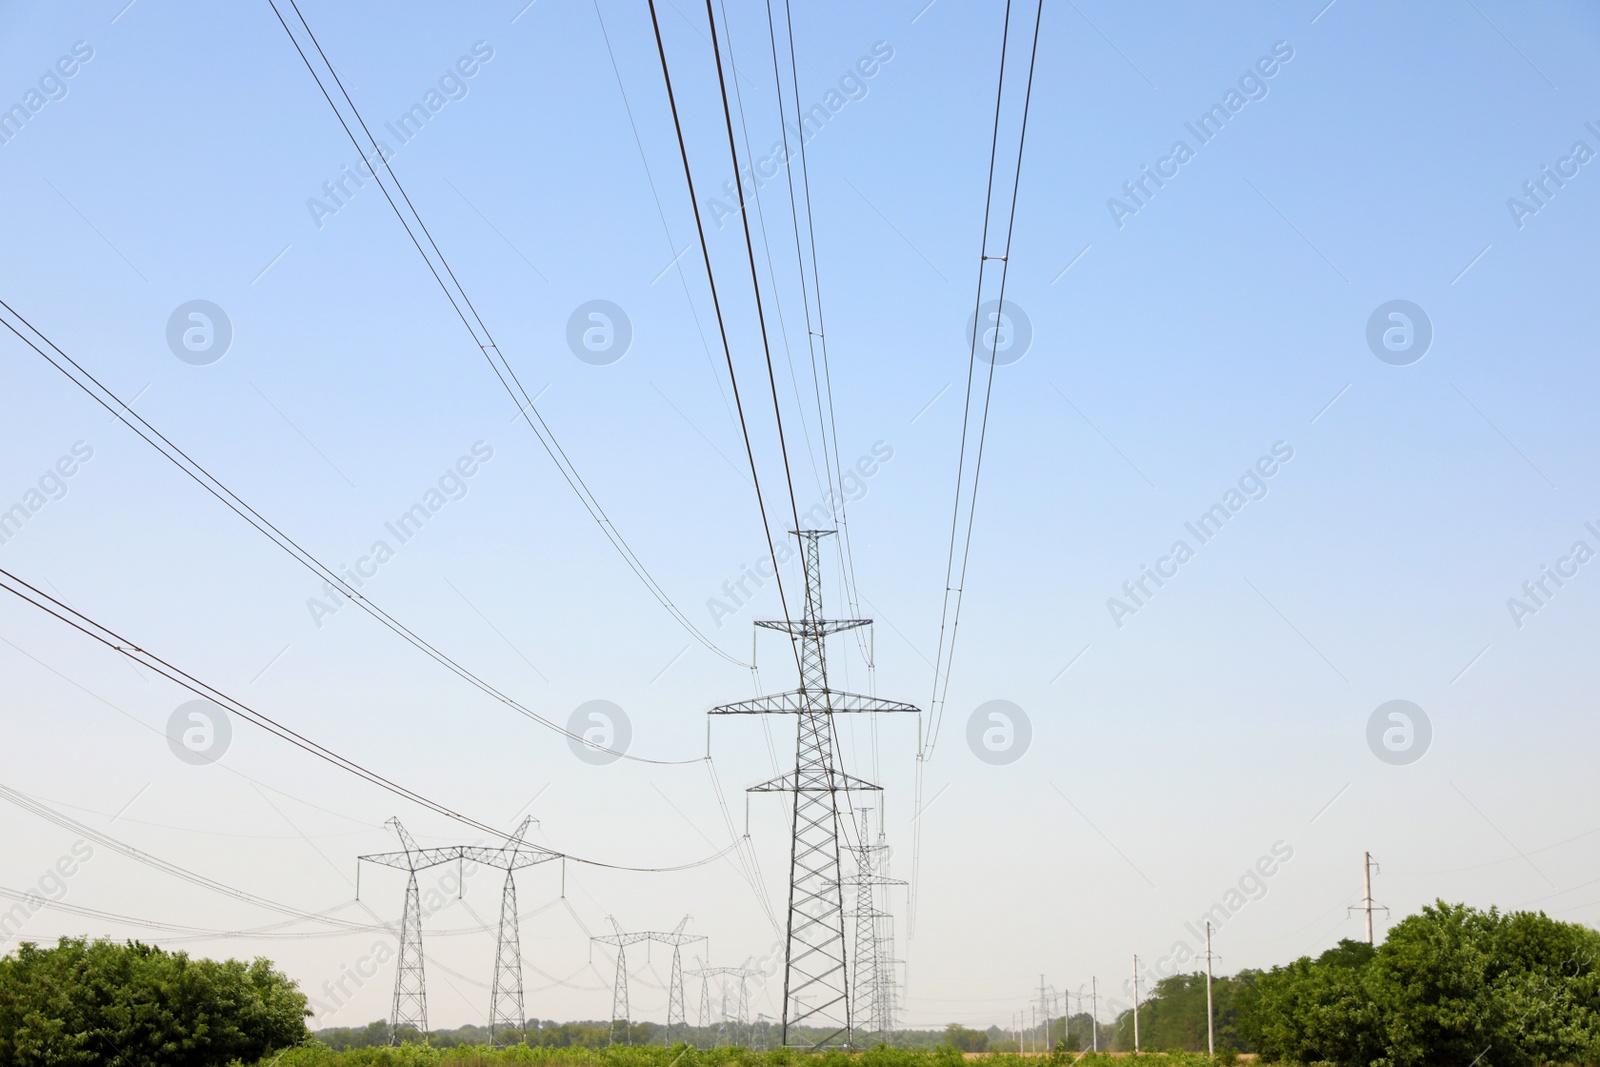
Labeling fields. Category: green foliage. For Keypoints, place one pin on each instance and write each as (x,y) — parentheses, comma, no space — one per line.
(103,1003)
(1172,1017)
(1450,985)
(965,1039)
(318,1055)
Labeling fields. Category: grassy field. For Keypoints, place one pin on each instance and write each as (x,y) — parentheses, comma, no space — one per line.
(420,1056)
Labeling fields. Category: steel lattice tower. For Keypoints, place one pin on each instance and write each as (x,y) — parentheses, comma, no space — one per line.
(873,981)
(619,989)
(741,1017)
(816,986)
(410,988)
(507,1018)
(705,999)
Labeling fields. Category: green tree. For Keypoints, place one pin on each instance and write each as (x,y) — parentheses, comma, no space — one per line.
(1450,985)
(965,1039)
(102,1003)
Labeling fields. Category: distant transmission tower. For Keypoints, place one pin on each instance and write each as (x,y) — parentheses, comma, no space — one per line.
(741,1017)
(816,986)
(676,1020)
(872,983)
(410,989)
(507,1012)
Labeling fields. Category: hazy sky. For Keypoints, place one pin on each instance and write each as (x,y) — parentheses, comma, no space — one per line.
(1384,486)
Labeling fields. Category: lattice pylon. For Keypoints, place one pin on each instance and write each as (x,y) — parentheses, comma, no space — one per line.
(619,999)
(866,973)
(676,1015)
(873,977)
(506,1010)
(816,984)
(410,1002)
(410,988)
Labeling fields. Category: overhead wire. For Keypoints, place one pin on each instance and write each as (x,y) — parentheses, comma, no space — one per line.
(111,639)
(661,213)
(949,618)
(716,303)
(772,273)
(755,280)
(820,334)
(468,314)
(74,372)
(44,811)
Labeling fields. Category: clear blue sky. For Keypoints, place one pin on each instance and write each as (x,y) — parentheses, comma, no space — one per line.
(1226,317)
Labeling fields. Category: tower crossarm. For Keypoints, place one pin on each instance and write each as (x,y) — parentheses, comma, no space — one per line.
(506,859)
(801,701)
(621,940)
(675,938)
(418,860)
(820,628)
(836,781)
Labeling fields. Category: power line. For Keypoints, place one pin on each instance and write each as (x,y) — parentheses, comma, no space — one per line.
(755,281)
(716,303)
(766,247)
(344,586)
(27,803)
(946,653)
(115,641)
(475,325)
(846,554)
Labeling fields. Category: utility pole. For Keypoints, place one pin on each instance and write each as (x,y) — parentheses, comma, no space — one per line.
(1094,1010)
(1136,1003)
(1211,1031)
(815,958)
(1366,905)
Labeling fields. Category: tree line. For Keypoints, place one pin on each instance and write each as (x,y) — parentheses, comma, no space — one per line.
(1451,985)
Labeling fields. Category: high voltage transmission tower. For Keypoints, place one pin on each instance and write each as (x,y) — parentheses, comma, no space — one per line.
(620,939)
(816,986)
(872,984)
(410,988)
(507,1012)
(741,1016)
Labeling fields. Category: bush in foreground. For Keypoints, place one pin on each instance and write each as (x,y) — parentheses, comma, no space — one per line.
(102,1003)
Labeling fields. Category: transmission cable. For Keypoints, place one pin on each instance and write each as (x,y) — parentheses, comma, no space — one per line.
(124,413)
(716,303)
(445,276)
(755,281)
(847,564)
(946,653)
(122,645)
(27,803)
